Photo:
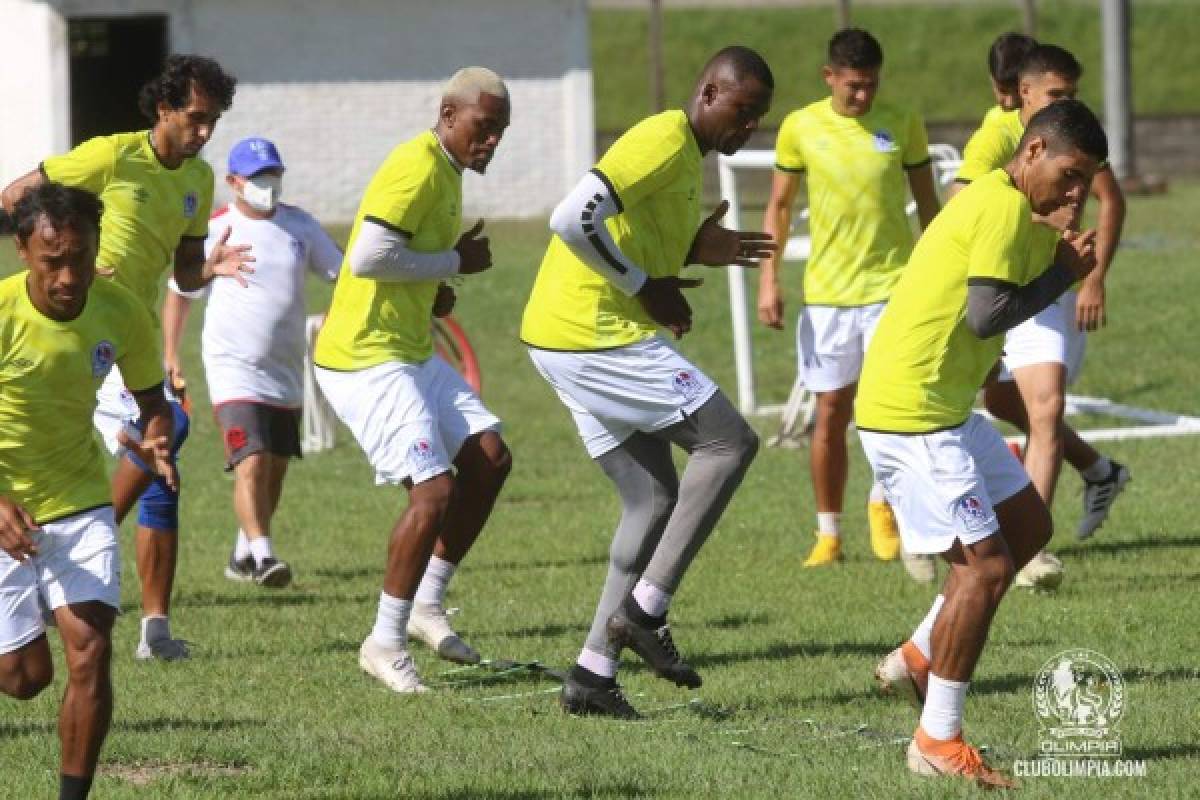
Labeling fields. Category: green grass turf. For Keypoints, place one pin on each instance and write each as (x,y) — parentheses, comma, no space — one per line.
(273,704)
(935,55)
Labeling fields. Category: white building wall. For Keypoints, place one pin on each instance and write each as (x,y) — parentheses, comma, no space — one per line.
(338,84)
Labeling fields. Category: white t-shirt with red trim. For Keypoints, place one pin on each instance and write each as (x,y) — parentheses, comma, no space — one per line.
(253,339)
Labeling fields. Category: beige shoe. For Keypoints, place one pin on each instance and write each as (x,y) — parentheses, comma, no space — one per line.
(904,672)
(430,624)
(920,567)
(932,757)
(1044,571)
(393,668)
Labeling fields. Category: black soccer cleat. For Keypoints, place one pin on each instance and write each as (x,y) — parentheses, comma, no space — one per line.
(240,569)
(602,700)
(273,573)
(651,639)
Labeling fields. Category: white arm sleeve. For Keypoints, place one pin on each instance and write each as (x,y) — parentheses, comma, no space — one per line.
(579,222)
(384,255)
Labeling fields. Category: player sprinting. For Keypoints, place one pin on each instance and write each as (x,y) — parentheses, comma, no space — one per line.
(253,347)
(859,155)
(1044,356)
(60,334)
(608,281)
(415,418)
(157,197)
(957,490)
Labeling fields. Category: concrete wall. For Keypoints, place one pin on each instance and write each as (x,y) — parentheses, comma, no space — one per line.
(337,85)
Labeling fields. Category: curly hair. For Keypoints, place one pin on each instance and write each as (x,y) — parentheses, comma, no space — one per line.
(63,207)
(180,74)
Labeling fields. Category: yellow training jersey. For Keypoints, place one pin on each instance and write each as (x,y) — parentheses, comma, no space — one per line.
(655,171)
(50,462)
(857,189)
(417,192)
(993,145)
(147,207)
(924,365)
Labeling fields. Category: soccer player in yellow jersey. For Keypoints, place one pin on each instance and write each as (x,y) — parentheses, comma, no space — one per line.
(157,195)
(860,155)
(608,281)
(1043,356)
(956,489)
(1004,63)
(60,334)
(416,419)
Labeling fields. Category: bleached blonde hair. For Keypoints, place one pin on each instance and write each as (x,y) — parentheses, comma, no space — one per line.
(468,83)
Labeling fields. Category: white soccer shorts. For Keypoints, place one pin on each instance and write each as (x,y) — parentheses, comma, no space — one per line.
(831,343)
(944,486)
(78,561)
(410,419)
(1050,337)
(612,394)
(116,410)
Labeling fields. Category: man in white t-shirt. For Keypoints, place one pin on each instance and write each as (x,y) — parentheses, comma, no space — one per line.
(253,346)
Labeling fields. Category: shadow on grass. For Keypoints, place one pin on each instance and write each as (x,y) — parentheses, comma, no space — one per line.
(348,573)
(1161,752)
(1112,548)
(740,620)
(586,561)
(548,631)
(488,793)
(1023,682)
(783,651)
(259,598)
(154,725)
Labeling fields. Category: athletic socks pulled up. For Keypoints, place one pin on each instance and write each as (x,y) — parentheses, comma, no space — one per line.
(432,590)
(391,622)
(652,600)
(942,715)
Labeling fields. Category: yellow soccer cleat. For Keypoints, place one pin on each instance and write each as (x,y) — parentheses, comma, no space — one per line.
(885,536)
(827,550)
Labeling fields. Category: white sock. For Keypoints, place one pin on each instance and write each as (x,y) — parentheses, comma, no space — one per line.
(432,590)
(155,628)
(877,495)
(598,663)
(653,600)
(942,716)
(241,549)
(829,523)
(391,621)
(923,636)
(260,548)
(1098,471)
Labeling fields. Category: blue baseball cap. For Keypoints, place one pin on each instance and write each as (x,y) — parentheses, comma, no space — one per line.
(251,156)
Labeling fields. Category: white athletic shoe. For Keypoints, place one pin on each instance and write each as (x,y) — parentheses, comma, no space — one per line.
(920,567)
(1044,571)
(894,678)
(1098,499)
(393,668)
(428,622)
(163,649)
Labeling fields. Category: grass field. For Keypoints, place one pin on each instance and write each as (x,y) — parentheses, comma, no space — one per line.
(935,54)
(272,705)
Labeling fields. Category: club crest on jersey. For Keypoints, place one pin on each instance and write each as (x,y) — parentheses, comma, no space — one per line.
(884,142)
(103,356)
(686,382)
(972,511)
(421,455)
(189,204)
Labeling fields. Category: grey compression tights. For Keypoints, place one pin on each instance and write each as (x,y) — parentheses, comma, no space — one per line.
(665,520)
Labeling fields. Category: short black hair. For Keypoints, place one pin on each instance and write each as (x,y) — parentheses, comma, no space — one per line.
(745,63)
(1068,123)
(855,48)
(174,85)
(1005,57)
(1050,58)
(63,206)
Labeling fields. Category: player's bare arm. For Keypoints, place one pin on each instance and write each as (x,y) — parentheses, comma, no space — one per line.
(175,312)
(924,190)
(193,271)
(717,246)
(15,526)
(777,222)
(154,449)
(1090,303)
(12,193)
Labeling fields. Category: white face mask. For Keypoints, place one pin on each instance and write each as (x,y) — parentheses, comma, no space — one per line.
(261,192)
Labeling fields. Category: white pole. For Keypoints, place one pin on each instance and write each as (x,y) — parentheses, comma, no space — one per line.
(1117,113)
(743,354)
